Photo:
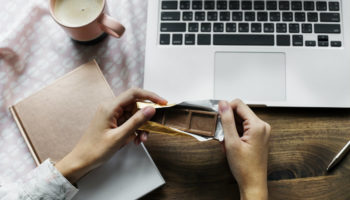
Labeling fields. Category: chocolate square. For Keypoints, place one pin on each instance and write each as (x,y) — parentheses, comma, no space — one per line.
(189,120)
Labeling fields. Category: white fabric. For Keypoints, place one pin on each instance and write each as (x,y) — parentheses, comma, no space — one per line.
(44,182)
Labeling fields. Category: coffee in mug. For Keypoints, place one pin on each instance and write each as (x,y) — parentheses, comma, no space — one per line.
(85,20)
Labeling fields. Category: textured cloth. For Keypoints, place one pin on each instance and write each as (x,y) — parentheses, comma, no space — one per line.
(44,182)
(34,51)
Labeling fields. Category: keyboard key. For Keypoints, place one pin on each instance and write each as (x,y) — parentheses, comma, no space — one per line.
(329,17)
(193,27)
(221,5)
(164,39)
(275,16)
(234,5)
(187,16)
(334,6)
(336,43)
(230,27)
(321,5)
(323,38)
(246,5)
(177,39)
(269,28)
(259,5)
(300,17)
(256,27)
(281,28)
(224,16)
(243,27)
(246,39)
(237,16)
(218,27)
(312,17)
(298,40)
(209,5)
(310,43)
(204,39)
(190,39)
(170,16)
(283,40)
(262,16)
(169,5)
(271,5)
(287,16)
(294,28)
(306,28)
(327,28)
(173,27)
(309,5)
(284,5)
(323,41)
(205,27)
(199,16)
(212,16)
(296,5)
(197,5)
(249,16)
(185,5)
(323,44)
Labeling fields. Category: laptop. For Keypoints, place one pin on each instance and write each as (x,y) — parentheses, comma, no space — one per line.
(272,53)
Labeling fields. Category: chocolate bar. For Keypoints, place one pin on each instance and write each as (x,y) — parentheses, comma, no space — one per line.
(188,120)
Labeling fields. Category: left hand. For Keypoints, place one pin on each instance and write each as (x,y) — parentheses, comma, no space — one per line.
(113,126)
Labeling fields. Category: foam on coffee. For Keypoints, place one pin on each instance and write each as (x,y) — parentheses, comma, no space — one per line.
(75,13)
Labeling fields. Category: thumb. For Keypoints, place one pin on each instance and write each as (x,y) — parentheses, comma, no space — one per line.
(137,120)
(228,122)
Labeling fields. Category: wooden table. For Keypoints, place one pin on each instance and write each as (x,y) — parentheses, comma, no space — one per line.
(302,143)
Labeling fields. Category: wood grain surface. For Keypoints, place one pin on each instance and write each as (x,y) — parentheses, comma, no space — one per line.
(302,143)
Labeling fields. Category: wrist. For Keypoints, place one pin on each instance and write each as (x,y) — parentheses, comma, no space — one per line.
(254,191)
(72,169)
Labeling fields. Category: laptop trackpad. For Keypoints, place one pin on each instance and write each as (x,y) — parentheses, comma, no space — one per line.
(250,76)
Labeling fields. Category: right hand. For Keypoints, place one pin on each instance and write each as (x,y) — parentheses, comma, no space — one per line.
(246,155)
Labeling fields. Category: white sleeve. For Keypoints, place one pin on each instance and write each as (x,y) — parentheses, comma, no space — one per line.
(44,182)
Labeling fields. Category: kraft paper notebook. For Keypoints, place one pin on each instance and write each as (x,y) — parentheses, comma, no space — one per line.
(53,120)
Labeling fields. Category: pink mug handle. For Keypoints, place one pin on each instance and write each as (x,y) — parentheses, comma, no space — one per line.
(111,26)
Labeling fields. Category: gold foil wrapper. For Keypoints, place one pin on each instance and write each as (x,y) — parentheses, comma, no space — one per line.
(154,127)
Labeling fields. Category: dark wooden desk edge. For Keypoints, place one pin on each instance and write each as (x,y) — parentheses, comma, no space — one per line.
(303,141)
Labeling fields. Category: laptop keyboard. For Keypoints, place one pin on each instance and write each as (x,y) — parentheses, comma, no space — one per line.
(251,23)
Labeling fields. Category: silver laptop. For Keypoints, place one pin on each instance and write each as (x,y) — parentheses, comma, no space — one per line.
(273,53)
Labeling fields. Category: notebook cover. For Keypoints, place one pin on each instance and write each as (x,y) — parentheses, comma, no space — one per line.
(53,120)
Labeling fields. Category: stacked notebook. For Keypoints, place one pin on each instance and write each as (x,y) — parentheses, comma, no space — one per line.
(53,120)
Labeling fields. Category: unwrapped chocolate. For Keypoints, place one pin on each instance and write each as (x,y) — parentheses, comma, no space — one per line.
(189,120)
(198,119)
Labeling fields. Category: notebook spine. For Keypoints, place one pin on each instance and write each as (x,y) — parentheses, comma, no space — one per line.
(24,134)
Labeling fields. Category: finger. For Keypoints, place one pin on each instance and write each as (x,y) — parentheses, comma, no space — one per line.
(144,137)
(132,95)
(118,112)
(243,110)
(137,120)
(228,122)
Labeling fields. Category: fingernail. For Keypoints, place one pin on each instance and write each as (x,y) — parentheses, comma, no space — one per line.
(148,111)
(164,101)
(223,106)
(144,137)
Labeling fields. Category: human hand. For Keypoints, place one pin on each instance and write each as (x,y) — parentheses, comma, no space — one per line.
(113,126)
(246,155)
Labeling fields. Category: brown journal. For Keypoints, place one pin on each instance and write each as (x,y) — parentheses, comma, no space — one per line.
(53,119)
